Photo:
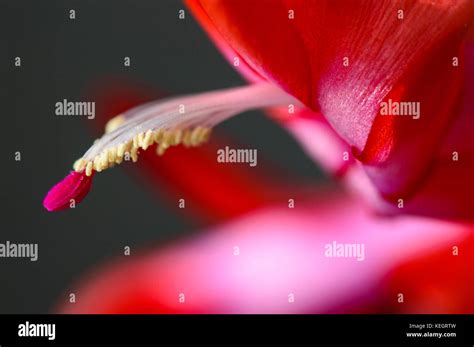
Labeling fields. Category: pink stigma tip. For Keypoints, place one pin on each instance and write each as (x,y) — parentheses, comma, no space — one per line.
(69,192)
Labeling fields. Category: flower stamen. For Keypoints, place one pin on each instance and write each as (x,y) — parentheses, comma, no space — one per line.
(184,120)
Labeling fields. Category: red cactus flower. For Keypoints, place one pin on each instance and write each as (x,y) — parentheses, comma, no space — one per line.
(382,96)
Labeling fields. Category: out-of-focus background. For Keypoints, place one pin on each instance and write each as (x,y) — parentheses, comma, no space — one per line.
(63,58)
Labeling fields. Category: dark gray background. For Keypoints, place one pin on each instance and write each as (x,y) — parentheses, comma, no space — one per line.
(60,59)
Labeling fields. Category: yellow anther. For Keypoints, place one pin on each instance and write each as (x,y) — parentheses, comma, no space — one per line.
(148,139)
(79,165)
(128,145)
(130,149)
(141,137)
(104,160)
(89,168)
(167,138)
(134,154)
(121,150)
(112,153)
(161,148)
(114,123)
(195,136)
(97,164)
(186,138)
(206,134)
(178,134)
(135,141)
(158,135)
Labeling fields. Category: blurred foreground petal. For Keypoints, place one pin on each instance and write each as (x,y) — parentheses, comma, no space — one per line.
(270,261)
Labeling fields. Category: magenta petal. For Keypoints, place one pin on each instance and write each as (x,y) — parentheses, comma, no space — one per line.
(70,191)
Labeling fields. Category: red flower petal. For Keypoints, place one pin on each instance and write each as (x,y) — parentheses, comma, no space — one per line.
(229,53)
(446,189)
(69,192)
(440,282)
(305,55)
(389,57)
